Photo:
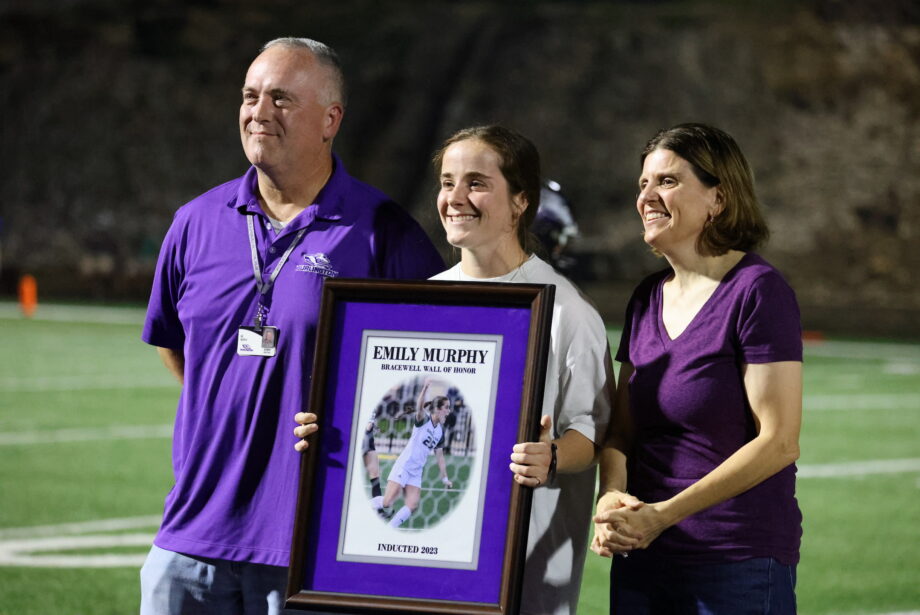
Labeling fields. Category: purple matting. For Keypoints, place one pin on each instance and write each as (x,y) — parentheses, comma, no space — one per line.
(323,573)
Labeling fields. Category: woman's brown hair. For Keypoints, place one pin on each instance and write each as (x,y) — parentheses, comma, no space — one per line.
(519,164)
(717,160)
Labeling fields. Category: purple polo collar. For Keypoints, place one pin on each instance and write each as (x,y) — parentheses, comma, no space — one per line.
(328,204)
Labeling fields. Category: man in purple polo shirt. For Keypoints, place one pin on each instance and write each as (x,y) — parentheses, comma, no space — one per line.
(233,315)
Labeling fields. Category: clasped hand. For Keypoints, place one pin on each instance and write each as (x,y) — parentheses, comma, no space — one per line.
(623,523)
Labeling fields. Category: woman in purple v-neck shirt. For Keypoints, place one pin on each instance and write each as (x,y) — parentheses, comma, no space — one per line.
(698,475)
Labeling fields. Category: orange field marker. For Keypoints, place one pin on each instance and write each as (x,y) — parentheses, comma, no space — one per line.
(28,295)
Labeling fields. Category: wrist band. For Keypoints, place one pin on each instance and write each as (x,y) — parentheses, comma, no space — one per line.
(551,475)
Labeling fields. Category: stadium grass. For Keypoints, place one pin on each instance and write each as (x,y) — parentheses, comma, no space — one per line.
(34,591)
(436,502)
(859,553)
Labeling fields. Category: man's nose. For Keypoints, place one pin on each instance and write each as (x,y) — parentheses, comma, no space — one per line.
(260,109)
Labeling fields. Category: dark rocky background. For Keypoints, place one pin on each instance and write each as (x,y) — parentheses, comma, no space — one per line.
(116,112)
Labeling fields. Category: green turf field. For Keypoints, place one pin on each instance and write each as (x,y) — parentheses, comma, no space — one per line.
(436,501)
(85,413)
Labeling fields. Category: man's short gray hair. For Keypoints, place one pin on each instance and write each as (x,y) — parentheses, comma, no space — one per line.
(325,55)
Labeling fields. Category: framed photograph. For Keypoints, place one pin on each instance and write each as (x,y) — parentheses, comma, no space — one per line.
(406,503)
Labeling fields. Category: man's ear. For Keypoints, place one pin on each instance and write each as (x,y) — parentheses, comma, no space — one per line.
(333,121)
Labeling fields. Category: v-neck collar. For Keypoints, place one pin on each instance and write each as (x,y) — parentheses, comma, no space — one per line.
(663,330)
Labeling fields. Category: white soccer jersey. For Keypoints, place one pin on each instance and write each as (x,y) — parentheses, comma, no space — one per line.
(424,439)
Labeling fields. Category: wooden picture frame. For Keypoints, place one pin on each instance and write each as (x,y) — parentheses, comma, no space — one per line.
(382,342)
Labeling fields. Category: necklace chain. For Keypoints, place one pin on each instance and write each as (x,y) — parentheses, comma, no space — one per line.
(516,270)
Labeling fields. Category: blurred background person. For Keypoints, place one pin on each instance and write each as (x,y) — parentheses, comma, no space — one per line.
(555,227)
(369,453)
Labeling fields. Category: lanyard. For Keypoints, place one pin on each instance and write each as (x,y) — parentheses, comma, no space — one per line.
(264,287)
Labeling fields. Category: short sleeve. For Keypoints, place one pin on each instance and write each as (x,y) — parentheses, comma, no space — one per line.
(639,304)
(585,387)
(162,326)
(585,373)
(622,355)
(769,324)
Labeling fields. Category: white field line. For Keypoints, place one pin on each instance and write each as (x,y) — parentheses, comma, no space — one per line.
(843,401)
(135,316)
(42,384)
(862,401)
(81,527)
(28,552)
(76,313)
(25,546)
(114,432)
(28,546)
(863,350)
(851,469)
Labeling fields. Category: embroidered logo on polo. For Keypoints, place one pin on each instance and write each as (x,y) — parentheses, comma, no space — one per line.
(317,263)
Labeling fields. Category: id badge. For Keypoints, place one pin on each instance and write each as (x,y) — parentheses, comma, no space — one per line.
(257,341)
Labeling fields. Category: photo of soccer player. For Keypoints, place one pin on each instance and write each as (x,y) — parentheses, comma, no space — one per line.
(411,474)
